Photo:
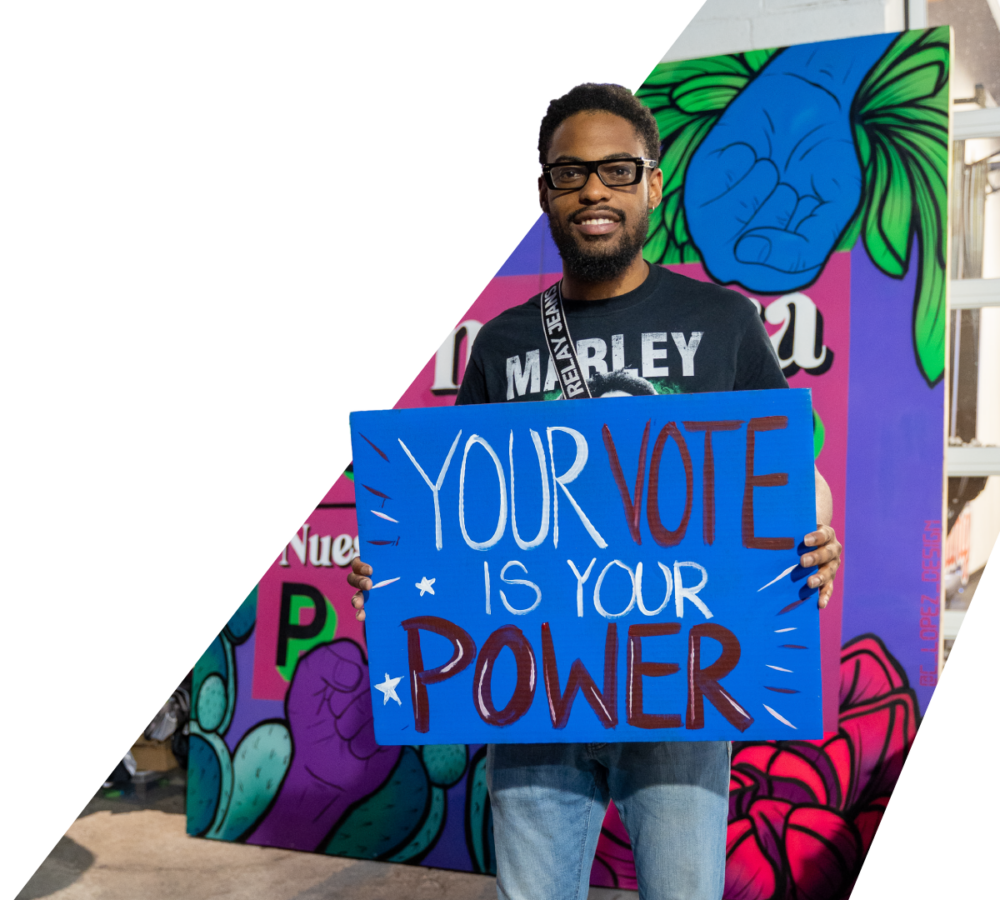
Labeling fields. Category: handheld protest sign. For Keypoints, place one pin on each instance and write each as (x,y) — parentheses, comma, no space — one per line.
(603,571)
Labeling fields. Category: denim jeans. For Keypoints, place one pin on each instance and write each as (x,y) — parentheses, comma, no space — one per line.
(549,802)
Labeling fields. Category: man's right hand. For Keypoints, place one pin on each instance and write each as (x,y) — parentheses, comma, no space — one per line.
(359,578)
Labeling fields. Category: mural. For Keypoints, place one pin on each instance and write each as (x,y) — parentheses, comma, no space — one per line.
(865,153)
(814,180)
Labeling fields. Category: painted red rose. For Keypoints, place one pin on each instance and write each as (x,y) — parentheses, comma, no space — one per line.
(803,813)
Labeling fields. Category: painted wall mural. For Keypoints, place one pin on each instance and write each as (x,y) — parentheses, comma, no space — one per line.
(814,180)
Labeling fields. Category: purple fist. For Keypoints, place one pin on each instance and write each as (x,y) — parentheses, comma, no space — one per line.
(336,760)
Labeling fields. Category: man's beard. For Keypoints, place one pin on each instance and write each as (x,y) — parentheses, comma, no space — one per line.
(591,262)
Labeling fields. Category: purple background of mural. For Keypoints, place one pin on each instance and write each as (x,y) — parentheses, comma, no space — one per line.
(894,432)
(450,852)
(249,710)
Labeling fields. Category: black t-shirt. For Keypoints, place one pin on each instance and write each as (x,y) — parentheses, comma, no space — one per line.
(670,335)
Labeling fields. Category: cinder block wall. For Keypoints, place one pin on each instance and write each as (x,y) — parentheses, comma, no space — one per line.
(731,26)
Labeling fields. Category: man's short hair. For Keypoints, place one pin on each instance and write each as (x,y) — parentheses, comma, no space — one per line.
(612,98)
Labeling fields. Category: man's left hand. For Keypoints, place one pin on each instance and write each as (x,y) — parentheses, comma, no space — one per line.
(825,552)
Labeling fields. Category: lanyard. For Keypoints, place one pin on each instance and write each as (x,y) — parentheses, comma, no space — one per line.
(560,344)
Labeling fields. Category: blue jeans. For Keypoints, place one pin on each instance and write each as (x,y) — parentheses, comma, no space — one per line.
(549,802)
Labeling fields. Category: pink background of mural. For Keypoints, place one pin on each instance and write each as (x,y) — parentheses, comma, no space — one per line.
(331,581)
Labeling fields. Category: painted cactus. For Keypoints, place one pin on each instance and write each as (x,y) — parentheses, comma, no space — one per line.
(227,792)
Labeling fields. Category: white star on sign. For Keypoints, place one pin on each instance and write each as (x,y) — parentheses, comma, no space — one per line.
(388,689)
(424,586)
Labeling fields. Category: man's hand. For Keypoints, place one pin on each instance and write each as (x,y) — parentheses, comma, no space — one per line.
(359,578)
(825,554)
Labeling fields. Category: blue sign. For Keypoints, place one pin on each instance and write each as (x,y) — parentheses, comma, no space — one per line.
(591,571)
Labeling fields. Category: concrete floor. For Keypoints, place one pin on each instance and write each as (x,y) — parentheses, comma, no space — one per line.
(124,848)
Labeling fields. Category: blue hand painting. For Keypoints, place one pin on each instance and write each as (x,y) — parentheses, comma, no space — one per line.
(777,180)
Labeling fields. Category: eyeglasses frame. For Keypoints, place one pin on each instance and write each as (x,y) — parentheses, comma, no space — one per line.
(592,166)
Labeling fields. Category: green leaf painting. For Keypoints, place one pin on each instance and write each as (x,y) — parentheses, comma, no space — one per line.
(901,132)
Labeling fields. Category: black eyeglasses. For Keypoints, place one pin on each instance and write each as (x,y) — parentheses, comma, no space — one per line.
(612,172)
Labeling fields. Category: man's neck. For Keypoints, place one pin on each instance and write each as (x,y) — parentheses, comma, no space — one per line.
(629,280)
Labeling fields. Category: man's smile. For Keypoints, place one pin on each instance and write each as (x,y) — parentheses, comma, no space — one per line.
(596,222)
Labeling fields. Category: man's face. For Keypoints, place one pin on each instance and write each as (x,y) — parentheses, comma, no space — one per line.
(599,230)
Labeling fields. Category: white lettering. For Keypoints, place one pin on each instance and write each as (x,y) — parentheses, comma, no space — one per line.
(597,591)
(618,355)
(551,378)
(531,584)
(666,597)
(298,545)
(502,517)
(343,549)
(319,550)
(681,591)
(798,312)
(446,359)
(687,349)
(580,579)
(436,486)
(543,529)
(516,379)
(566,478)
(592,352)
(650,354)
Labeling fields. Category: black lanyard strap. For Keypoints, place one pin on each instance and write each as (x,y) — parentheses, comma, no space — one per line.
(561,346)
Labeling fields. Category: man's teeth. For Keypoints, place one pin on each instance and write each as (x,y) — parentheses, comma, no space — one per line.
(597,222)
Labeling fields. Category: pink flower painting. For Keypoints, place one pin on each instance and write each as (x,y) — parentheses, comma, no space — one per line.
(802,814)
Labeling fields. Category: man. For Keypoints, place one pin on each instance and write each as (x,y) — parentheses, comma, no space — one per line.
(638,330)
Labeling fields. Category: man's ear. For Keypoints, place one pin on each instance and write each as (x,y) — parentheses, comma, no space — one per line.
(543,194)
(655,187)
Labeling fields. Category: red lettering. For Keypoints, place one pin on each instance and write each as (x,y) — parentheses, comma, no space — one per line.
(604,705)
(633,508)
(461,658)
(636,669)
(524,688)
(708,471)
(705,682)
(663,536)
(772,479)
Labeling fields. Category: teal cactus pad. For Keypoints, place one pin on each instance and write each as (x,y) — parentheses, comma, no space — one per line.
(212,660)
(210,705)
(386,819)
(429,832)
(445,763)
(479,828)
(203,782)
(259,765)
